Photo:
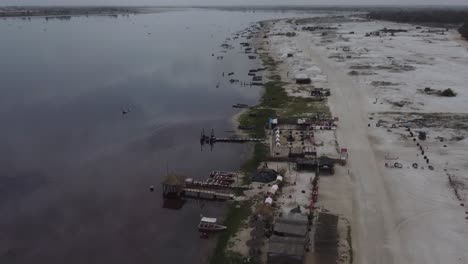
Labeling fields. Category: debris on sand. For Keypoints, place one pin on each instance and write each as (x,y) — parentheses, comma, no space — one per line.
(445,93)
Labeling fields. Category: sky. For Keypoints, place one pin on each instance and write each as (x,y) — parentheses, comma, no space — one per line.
(233,2)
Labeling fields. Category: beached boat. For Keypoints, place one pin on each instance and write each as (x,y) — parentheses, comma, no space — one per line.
(240,105)
(222,173)
(208,224)
(223,178)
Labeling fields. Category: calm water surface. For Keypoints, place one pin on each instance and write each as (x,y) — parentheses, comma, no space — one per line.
(74,171)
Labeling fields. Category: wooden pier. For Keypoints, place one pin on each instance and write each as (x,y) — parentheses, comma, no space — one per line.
(201,193)
(205,139)
(178,187)
(238,140)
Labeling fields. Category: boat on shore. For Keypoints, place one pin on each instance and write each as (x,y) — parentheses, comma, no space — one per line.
(222,178)
(222,173)
(208,224)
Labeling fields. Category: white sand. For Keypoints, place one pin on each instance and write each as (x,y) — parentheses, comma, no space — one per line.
(397,215)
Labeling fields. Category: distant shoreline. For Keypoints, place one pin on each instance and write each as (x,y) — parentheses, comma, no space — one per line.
(68,11)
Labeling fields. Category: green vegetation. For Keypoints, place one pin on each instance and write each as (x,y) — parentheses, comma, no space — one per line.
(275,101)
(350,243)
(234,221)
(298,107)
(431,16)
(259,155)
(448,93)
(464,30)
(257,117)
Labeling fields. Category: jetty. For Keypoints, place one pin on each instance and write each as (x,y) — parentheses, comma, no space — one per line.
(239,139)
(205,139)
(207,194)
(177,187)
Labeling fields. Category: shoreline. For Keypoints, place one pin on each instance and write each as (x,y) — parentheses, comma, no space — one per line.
(284,103)
(58,12)
(366,99)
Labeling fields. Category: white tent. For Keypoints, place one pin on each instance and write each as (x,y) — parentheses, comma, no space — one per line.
(273,189)
(301,121)
(208,220)
(279,178)
(268,200)
(301,76)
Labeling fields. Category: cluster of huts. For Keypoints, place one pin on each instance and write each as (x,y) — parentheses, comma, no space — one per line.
(293,141)
(290,239)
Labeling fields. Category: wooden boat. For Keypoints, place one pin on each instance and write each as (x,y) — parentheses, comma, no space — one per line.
(217,183)
(222,178)
(240,105)
(222,173)
(210,225)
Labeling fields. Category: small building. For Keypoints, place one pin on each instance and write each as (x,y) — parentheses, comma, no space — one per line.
(324,164)
(286,250)
(173,186)
(273,189)
(296,152)
(302,79)
(293,225)
(310,151)
(265,176)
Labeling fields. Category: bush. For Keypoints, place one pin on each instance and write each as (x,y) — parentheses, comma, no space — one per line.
(448,93)
(464,31)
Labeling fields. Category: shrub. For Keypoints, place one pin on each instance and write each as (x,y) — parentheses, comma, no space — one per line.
(448,93)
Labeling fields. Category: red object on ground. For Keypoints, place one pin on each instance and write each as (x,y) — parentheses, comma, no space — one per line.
(315,196)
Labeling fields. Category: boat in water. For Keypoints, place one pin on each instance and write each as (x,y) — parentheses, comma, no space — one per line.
(222,173)
(208,224)
(229,179)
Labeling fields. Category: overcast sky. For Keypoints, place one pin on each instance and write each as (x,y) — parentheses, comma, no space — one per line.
(233,2)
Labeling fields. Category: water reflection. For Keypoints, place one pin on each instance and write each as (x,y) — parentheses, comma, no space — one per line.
(75,169)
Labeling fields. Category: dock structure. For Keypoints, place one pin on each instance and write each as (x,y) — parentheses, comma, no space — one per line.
(172,186)
(211,139)
(206,194)
(177,187)
(238,139)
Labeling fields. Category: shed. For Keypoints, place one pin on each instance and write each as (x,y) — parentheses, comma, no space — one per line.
(265,175)
(286,250)
(296,152)
(273,189)
(173,185)
(291,226)
(324,163)
(302,79)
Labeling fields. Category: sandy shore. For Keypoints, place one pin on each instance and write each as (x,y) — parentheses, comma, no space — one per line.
(408,215)
(385,90)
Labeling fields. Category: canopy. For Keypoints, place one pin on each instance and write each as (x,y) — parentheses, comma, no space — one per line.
(208,220)
(268,200)
(273,189)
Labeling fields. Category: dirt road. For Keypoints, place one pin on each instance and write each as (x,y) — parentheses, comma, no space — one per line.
(395,219)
